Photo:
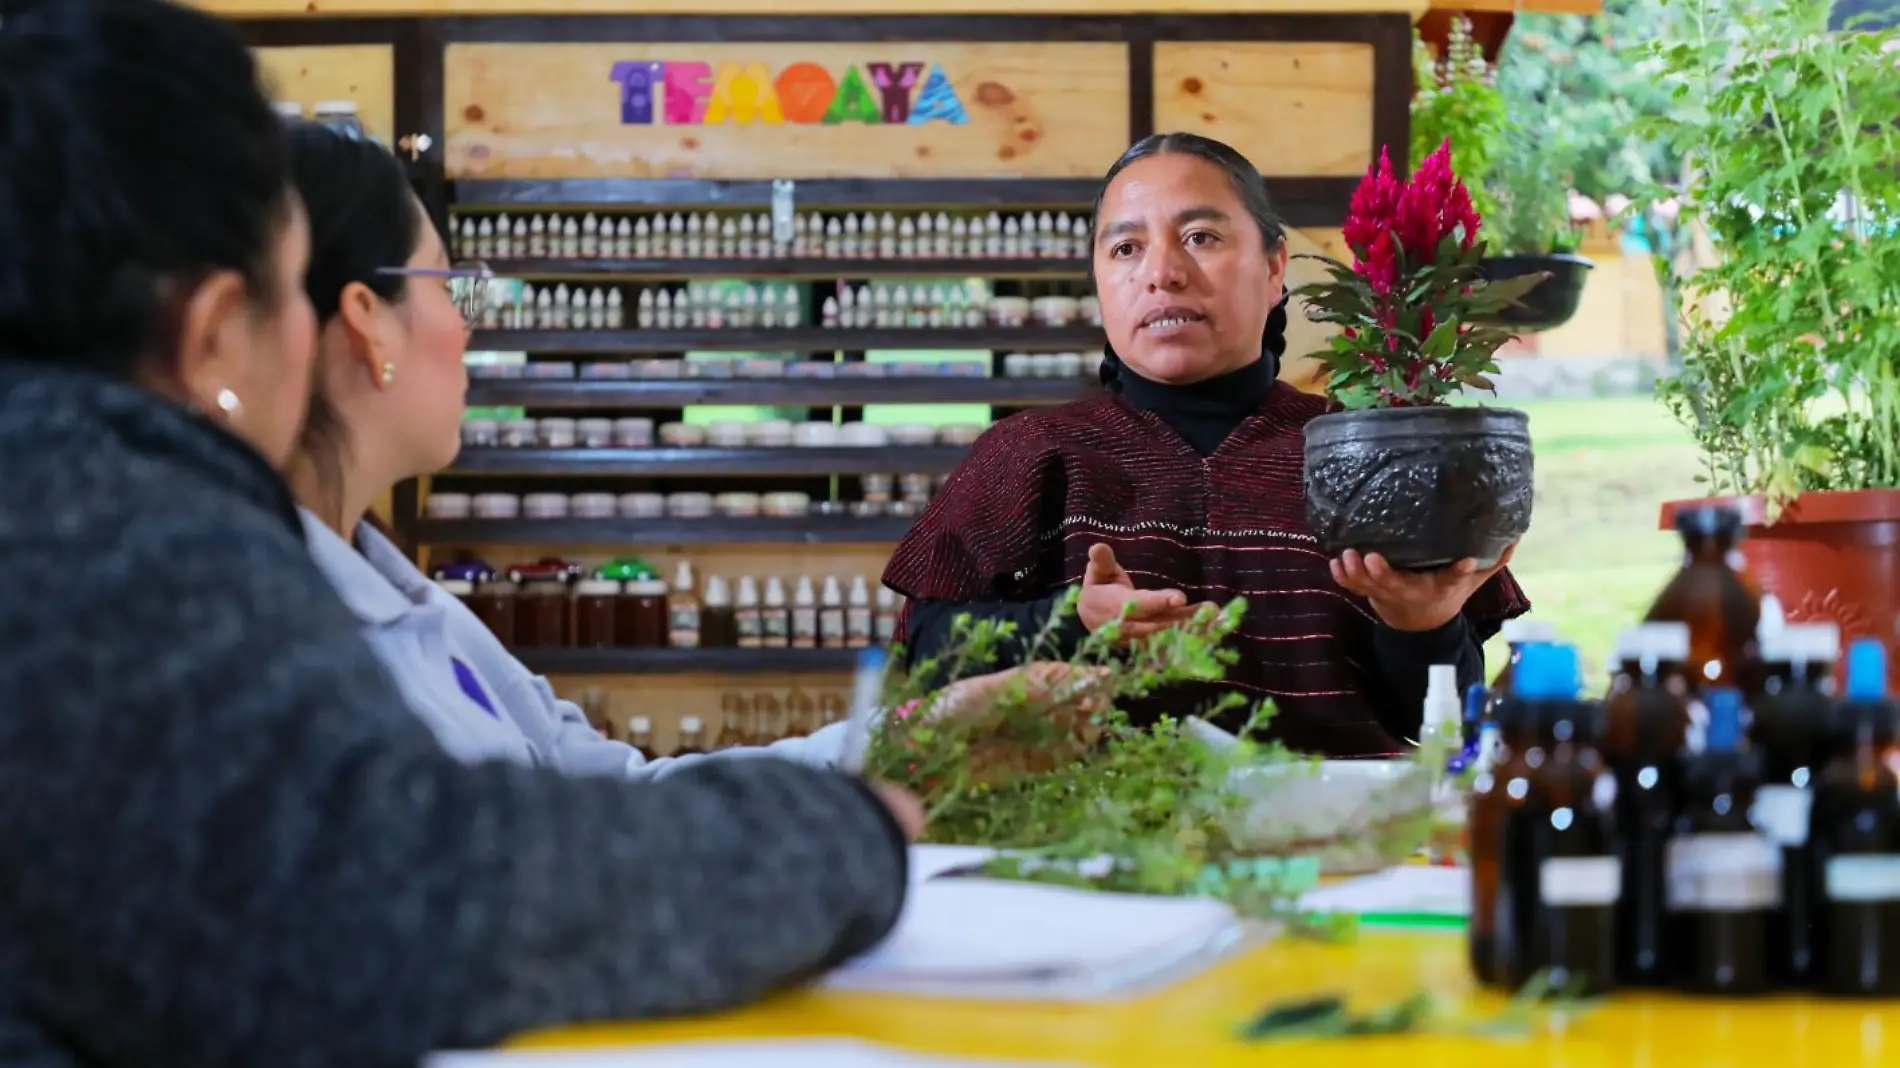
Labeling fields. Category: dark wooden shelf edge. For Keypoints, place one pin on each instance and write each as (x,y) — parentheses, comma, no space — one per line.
(798,339)
(678,462)
(1075,193)
(789,392)
(765,530)
(788,268)
(724,661)
(1301,200)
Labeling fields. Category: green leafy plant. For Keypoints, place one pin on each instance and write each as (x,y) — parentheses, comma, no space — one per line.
(1417,316)
(1530,177)
(1537,1008)
(1051,769)
(1790,377)
(1457,99)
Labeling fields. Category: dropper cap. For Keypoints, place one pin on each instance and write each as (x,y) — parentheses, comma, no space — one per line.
(1724,733)
(1475,697)
(1867,670)
(1547,671)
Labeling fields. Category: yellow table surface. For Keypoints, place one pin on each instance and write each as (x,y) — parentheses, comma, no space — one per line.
(1191,1023)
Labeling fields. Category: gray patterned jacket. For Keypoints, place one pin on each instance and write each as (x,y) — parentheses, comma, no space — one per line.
(224,840)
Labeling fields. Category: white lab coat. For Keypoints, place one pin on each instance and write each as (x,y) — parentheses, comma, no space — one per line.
(419,631)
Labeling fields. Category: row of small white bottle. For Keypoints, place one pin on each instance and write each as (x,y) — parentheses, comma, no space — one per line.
(705,235)
(555,308)
(915,307)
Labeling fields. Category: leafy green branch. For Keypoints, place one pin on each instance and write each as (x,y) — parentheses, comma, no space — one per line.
(1056,772)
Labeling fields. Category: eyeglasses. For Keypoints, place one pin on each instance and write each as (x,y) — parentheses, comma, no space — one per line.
(468,285)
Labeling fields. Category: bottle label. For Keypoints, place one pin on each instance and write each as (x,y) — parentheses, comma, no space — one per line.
(804,623)
(857,622)
(778,624)
(1723,873)
(1781,813)
(831,623)
(679,619)
(1580,882)
(884,629)
(747,622)
(1863,878)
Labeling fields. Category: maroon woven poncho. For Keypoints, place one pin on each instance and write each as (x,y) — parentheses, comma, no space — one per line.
(1016,520)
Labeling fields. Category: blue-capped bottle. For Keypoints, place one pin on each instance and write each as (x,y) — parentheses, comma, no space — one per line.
(1498,790)
(1558,875)
(1645,726)
(1724,875)
(1790,728)
(1855,831)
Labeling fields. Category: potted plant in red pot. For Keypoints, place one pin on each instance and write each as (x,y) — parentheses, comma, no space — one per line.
(1400,471)
(1791,335)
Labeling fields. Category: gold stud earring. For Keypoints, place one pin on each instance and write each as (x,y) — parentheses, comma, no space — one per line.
(389,374)
(229,404)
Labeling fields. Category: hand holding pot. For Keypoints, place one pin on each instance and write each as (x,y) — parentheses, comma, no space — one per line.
(1106,589)
(1413,601)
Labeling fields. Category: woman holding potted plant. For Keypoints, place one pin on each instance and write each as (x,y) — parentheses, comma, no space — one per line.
(1184,483)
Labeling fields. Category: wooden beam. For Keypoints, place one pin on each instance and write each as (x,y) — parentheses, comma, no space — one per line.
(402,8)
(1522,7)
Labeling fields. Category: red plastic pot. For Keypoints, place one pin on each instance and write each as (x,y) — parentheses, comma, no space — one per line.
(1829,557)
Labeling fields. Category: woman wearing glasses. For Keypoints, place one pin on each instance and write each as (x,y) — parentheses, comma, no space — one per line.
(386,406)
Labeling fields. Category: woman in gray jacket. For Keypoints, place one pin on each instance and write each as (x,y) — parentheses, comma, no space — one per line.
(224,838)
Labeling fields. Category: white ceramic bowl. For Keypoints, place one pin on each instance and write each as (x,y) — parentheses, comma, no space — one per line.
(1290,806)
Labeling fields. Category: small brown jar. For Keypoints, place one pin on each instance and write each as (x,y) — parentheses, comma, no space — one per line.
(596,612)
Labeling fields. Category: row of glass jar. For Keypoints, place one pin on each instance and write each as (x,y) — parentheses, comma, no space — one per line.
(634,432)
(743,367)
(749,235)
(884,495)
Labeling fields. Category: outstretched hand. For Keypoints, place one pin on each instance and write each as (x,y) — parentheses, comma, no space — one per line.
(1106,589)
(1413,601)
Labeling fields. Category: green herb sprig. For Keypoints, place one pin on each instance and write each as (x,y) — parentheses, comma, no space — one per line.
(1062,779)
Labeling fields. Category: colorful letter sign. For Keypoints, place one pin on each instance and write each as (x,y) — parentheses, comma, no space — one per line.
(689,93)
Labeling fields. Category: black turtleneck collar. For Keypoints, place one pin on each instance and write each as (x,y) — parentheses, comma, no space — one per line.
(1205,412)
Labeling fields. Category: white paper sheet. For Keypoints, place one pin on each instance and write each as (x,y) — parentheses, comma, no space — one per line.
(788,1053)
(996,938)
(929,861)
(1408,888)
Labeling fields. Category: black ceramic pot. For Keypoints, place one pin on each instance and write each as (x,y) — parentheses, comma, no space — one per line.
(1549,305)
(1424,487)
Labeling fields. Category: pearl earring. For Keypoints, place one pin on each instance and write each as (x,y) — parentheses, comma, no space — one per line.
(389,374)
(229,404)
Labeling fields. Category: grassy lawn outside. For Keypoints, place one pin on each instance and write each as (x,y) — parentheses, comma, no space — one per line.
(1594,558)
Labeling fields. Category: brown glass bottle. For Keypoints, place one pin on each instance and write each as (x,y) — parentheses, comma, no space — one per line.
(735,726)
(640,736)
(692,738)
(1561,868)
(1790,730)
(1497,930)
(801,714)
(1856,837)
(1724,875)
(494,603)
(1645,724)
(596,613)
(545,617)
(1715,596)
(768,718)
